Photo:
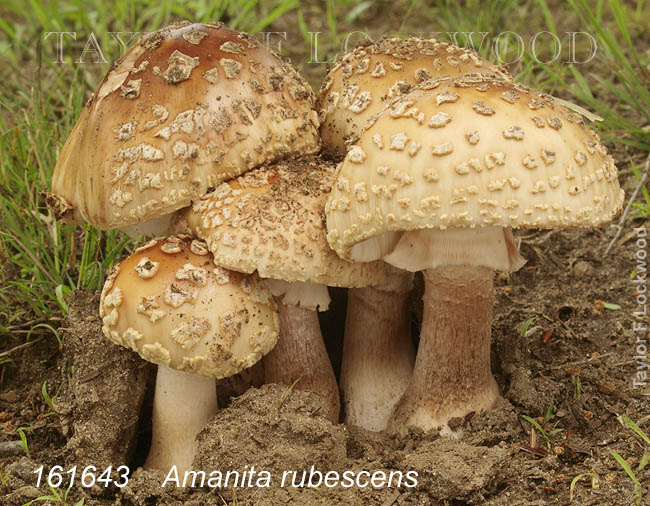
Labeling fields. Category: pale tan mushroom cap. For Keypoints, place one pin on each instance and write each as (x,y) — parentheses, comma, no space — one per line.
(367,79)
(271,220)
(171,304)
(186,108)
(471,154)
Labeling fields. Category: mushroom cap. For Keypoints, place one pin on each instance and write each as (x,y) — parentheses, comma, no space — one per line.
(186,108)
(368,78)
(171,304)
(471,152)
(271,220)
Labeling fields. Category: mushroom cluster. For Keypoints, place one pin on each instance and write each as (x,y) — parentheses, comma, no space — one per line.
(271,221)
(431,155)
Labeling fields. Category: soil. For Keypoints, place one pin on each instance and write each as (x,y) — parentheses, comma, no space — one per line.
(572,371)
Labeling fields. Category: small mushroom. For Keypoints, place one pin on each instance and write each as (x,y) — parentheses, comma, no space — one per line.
(187,107)
(198,322)
(443,200)
(271,220)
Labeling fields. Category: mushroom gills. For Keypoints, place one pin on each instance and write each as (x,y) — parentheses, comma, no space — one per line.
(151,228)
(492,247)
(304,295)
(375,247)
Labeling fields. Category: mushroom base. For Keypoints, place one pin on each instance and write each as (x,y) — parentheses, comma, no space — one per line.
(452,375)
(300,355)
(378,355)
(183,404)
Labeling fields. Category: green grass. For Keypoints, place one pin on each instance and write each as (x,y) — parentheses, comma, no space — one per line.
(56,498)
(595,479)
(43,261)
(639,489)
(621,95)
(631,473)
(546,435)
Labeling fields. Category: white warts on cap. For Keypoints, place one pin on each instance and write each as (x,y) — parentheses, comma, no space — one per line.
(147,268)
(179,67)
(149,307)
(196,275)
(114,298)
(189,334)
(131,90)
(175,296)
(194,36)
(231,68)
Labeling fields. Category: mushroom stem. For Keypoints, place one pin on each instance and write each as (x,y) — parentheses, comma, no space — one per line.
(301,355)
(183,404)
(378,355)
(452,375)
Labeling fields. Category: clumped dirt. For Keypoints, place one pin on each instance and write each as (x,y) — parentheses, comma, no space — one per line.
(99,405)
(574,363)
(275,434)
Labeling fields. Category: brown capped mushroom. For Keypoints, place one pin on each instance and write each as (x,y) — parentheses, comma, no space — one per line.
(172,305)
(370,77)
(355,91)
(270,220)
(184,109)
(442,199)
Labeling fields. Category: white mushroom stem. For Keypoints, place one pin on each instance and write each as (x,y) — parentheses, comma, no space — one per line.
(378,355)
(183,404)
(452,375)
(300,354)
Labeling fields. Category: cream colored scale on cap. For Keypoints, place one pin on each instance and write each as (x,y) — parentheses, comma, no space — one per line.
(271,220)
(368,78)
(186,108)
(171,304)
(478,153)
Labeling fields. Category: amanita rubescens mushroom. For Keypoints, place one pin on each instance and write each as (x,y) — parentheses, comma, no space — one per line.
(270,220)
(358,88)
(441,197)
(171,304)
(187,107)
(371,76)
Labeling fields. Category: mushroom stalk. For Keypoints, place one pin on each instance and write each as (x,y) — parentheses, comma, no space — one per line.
(300,354)
(183,404)
(378,355)
(452,375)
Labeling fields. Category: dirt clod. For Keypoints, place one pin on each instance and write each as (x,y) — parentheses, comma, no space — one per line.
(104,387)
